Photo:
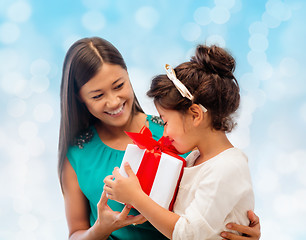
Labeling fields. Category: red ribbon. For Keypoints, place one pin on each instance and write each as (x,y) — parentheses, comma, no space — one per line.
(150,161)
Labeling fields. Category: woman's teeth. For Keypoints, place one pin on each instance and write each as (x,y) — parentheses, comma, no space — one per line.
(116,111)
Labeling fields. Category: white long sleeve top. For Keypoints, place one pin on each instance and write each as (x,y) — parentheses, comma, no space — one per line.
(212,194)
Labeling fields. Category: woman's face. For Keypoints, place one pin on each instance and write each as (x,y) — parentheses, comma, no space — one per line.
(109,95)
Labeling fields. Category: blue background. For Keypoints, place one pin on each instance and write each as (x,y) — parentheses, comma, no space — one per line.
(267,38)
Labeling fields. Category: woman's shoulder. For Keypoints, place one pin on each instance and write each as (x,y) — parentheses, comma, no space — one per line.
(83,142)
(83,138)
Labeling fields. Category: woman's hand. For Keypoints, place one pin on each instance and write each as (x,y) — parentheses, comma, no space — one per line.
(113,220)
(252,232)
(122,189)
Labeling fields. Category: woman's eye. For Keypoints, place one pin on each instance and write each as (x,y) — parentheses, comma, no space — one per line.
(97,96)
(165,123)
(119,86)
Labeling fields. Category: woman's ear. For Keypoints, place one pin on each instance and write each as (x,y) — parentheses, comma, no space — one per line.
(197,114)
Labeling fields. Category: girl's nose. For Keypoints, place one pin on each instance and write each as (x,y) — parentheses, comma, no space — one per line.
(165,133)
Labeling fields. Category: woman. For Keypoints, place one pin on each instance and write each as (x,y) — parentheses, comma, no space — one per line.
(97,105)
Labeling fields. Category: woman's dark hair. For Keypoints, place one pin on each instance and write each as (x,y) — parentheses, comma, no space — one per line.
(82,62)
(209,78)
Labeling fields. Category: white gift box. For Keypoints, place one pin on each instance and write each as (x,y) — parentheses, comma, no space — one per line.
(167,176)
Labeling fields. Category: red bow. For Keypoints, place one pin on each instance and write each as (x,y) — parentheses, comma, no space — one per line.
(144,140)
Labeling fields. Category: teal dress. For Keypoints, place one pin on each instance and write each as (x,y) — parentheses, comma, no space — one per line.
(92,161)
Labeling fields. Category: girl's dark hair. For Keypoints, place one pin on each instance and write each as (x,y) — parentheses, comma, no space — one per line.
(82,62)
(209,78)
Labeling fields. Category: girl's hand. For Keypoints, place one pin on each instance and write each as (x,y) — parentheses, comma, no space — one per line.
(252,232)
(113,220)
(122,189)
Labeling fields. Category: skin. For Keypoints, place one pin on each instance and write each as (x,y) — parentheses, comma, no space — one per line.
(109,91)
(186,133)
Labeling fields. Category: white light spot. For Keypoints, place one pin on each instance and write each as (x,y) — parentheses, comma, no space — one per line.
(264,70)
(40,67)
(43,112)
(282,166)
(289,67)
(9,60)
(93,21)
(237,7)
(225,3)
(147,17)
(28,130)
(191,31)
(259,96)
(19,11)
(215,40)
(270,21)
(220,15)
(35,146)
(259,28)
(285,205)
(275,89)
(39,84)
(96,4)
(249,82)
(258,42)
(20,154)
(16,107)
(9,32)
(202,16)
(28,222)
(268,181)
(248,106)
(22,205)
(278,10)
(240,136)
(255,57)
(26,92)
(13,83)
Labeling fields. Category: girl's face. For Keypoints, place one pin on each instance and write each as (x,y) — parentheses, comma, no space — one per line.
(177,127)
(109,95)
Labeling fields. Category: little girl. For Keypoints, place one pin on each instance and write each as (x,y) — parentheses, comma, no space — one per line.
(196,101)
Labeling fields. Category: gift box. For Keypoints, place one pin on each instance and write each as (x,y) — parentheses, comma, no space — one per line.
(157,165)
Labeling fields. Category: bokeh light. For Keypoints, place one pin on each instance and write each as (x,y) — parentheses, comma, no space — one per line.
(19,11)
(266,37)
(147,17)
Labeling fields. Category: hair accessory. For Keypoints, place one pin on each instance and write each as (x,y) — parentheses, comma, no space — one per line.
(180,86)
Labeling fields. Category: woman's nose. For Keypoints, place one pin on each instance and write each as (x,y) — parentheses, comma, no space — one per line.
(112,101)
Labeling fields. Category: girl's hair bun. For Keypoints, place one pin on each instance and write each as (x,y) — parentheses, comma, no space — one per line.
(214,60)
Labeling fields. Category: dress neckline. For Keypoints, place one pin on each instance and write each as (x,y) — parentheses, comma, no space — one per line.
(105,145)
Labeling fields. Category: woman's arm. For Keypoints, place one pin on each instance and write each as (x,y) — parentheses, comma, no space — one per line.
(128,190)
(77,211)
(252,232)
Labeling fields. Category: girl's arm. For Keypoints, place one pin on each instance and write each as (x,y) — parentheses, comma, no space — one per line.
(77,211)
(128,190)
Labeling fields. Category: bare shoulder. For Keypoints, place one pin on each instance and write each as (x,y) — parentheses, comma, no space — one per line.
(76,204)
